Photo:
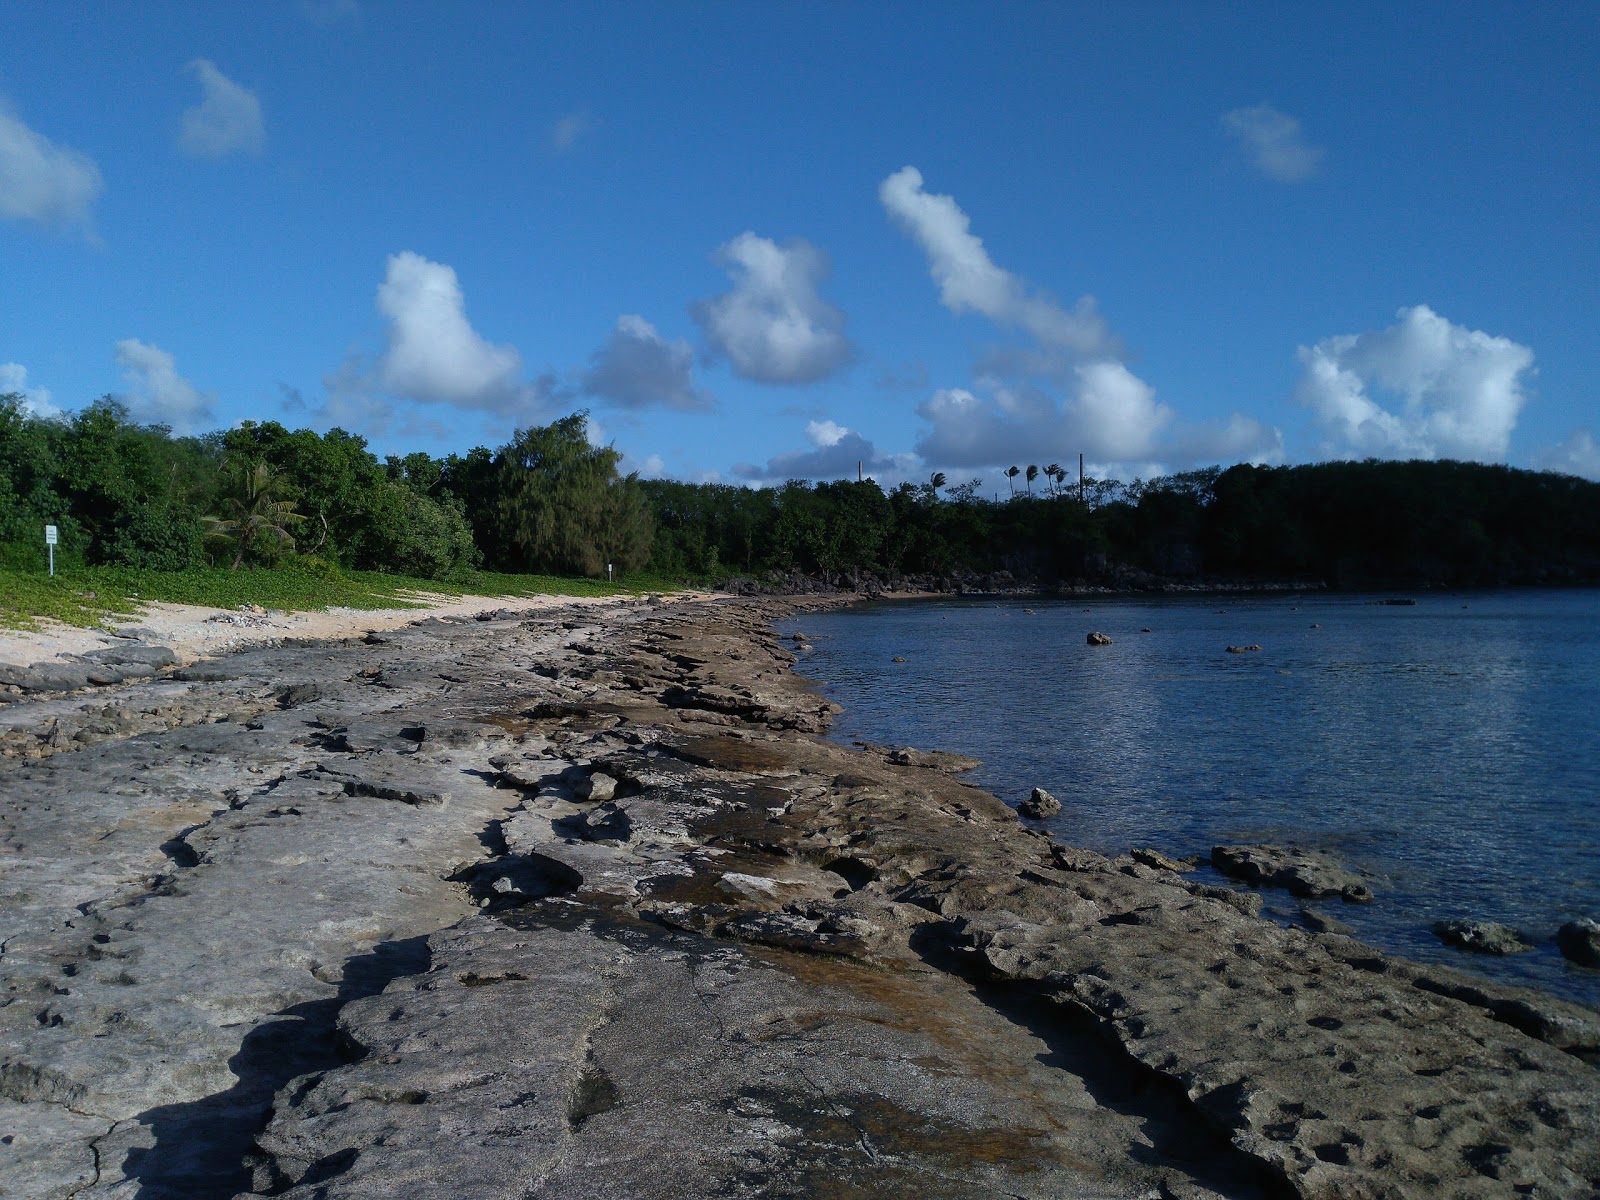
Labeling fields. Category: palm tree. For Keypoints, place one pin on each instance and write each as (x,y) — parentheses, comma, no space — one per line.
(936,480)
(1033,473)
(1011,479)
(1056,475)
(254,509)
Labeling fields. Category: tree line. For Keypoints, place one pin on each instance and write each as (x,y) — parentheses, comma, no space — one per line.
(548,501)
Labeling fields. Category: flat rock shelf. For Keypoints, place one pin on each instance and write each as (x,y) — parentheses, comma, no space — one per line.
(581,904)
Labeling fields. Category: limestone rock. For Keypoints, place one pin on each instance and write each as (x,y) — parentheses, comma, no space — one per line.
(1580,942)
(1303,872)
(1154,858)
(1039,805)
(1481,937)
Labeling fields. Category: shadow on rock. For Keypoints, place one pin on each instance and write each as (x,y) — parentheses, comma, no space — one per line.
(200,1148)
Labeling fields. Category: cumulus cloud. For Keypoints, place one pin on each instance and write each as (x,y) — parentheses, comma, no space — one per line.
(774,327)
(35,400)
(434,354)
(638,368)
(970,281)
(1454,392)
(1273,142)
(226,121)
(566,130)
(1238,439)
(41,181)
(1111,414)
(836,452)
(157,393)
(1578,455)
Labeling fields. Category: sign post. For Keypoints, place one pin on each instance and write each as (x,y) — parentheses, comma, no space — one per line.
(50,539)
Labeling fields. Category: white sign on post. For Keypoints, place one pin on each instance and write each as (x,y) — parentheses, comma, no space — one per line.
(50,539)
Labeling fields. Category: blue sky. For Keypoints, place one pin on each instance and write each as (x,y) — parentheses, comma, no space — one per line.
(765,240)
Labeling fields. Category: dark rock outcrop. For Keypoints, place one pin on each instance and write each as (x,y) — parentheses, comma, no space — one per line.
(1303,872)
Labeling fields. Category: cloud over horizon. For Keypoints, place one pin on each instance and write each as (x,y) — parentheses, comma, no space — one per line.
(1578,455)
(36,401)
(434,354)
(774,326)
(1066,392)
(1273,142)
(1459,390)
(41,181)
(638,368)
(836,453)
(226,121)
(158,395)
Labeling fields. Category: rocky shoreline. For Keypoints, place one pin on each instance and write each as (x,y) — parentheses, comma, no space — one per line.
(572,903)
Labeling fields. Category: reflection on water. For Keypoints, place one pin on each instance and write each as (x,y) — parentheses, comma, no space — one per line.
(1451,749)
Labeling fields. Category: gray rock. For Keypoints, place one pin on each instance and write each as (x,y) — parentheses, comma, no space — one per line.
(1303,872)
(1481,937)
(153,657)
(1579,941)
(597,785)
(1099,639)
(1039,805)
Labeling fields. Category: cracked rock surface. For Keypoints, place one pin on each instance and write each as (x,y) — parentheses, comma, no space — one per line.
(582,905)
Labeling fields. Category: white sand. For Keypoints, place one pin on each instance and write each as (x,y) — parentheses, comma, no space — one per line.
(195,632)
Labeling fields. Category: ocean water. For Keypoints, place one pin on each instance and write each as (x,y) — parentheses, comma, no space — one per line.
(1449,749)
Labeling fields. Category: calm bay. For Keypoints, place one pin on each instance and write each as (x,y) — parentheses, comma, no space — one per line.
(1449,749)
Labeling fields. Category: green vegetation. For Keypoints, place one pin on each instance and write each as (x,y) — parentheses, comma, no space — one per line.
(91,596)
(296,519)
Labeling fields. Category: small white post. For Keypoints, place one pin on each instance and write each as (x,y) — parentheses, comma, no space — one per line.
(50,538)
(608,573)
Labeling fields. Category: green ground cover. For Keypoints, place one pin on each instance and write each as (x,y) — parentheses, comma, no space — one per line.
(93,596)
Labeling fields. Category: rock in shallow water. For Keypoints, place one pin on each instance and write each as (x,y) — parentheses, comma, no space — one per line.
(1303,872)
(1039,805)
(1482,937)
(1580,942)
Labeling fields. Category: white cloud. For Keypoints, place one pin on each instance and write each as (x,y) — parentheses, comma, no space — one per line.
(158,394)
(41,181)
(227,119)
(1273,142)
(1578,455)
(825,433)
(638,368)
(1459,390)
(837,452)
(434,354)
(1096,405)
(35,400)
(1109,414)
(566,130)
(1238,439)
(651,466)
(774,327)
(969,280)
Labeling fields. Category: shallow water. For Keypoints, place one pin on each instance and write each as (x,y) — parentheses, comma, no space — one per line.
(1450,749)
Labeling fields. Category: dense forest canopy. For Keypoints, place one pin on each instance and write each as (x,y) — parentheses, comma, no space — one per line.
(549,501)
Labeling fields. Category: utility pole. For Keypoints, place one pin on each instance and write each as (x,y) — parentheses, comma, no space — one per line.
(1080,479)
